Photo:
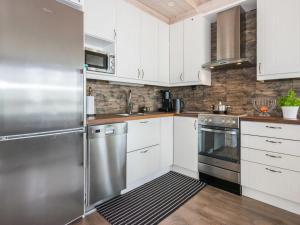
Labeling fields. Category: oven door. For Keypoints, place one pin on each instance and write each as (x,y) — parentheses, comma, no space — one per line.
(219,147)
(96,61)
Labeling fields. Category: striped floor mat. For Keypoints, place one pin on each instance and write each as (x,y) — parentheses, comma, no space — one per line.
(152,202)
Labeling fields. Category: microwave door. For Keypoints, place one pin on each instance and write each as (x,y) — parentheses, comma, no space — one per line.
(96,61)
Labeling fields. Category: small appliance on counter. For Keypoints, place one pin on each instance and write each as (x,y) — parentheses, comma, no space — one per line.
(178,105)
(90,104)
(167,104)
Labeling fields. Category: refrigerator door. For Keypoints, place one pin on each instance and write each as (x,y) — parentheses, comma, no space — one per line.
(41,56)
(41,179)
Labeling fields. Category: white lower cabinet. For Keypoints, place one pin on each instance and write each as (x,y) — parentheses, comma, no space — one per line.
(270,164)
(186,143)
(272,180)
(143,133)
(149,149)
(142,163)
(166,142)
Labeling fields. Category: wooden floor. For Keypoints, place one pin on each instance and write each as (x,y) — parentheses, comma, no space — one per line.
(212,206)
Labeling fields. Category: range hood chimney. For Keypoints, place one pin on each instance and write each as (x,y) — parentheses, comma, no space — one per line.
(229,41)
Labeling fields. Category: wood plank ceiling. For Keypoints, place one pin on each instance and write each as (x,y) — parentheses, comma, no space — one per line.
(173,9)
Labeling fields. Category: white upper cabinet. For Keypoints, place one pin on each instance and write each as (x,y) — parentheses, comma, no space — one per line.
(149,47)
(176,53)
(149,51)
(196,49)
(99,18)
(128,40)
(278,39)
(163,53)
(189,50)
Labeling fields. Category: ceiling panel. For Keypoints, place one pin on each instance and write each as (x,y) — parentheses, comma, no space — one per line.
(172,8)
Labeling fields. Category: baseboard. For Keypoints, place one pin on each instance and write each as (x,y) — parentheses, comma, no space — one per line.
(271,200)
(145,180)
(189,173)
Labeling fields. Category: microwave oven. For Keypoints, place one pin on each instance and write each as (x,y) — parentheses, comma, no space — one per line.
(99,61)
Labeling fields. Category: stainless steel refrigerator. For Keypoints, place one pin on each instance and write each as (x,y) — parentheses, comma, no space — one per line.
(41,113)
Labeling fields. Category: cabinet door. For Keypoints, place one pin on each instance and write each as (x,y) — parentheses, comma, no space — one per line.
(196,49)
(142,134)
(149,47)
(176,53)
(166,130)
(99,18)
(186,143)
(142,163)
(128,40)
(163,53)
(278,38)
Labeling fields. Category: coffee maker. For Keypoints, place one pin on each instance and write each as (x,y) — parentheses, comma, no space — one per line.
(167,104)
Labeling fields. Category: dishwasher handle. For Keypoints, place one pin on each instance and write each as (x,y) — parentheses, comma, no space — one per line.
(101,131)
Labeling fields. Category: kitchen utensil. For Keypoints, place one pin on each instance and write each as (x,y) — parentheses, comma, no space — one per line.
(220,108)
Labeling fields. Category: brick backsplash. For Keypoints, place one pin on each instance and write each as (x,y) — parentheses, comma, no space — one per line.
(235,87)
(111,98)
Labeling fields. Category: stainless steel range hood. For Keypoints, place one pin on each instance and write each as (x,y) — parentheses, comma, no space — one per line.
(229,41)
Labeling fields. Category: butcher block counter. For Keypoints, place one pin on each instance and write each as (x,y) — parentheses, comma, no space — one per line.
(118,118)
(271,119)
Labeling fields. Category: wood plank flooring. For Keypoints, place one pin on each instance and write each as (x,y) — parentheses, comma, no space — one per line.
(212,206)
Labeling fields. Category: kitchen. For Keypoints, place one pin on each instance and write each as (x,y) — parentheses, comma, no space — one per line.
(147,112)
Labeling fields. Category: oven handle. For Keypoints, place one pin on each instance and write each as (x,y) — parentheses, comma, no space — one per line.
(218,131)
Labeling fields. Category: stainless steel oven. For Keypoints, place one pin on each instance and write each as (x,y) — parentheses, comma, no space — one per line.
(219,147)
(99,61)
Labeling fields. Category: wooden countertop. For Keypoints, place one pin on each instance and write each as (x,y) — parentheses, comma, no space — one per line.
(115,118)
(271,119)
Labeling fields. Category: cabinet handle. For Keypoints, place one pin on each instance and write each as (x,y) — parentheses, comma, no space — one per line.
(271,127)
(274,142)
(195,124)
(199,75)
(144,122)
(139,73)
(145,151)
(181,76)
(259,68)
(273,171)
(143,74)
(115,34)
(273,156)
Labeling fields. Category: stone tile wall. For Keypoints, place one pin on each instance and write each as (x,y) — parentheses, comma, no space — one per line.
(111,98)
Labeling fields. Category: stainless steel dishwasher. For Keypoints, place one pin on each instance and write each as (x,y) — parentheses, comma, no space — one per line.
(106,174)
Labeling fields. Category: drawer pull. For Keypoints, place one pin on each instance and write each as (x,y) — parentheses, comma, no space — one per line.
(145,151)
(274,142)
(144,122)
(271,127)
(273,156)
(273,171)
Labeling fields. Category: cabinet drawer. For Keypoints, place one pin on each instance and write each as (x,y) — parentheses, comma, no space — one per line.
(282,146)
(272,159)
(142,163)
(143,134)
(276,130)
(271,180)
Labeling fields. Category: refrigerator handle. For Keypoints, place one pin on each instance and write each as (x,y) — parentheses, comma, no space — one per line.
(41,134)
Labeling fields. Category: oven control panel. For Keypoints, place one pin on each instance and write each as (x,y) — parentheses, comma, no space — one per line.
(219,120)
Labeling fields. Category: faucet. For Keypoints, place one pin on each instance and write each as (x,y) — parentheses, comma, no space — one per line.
(129,103)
